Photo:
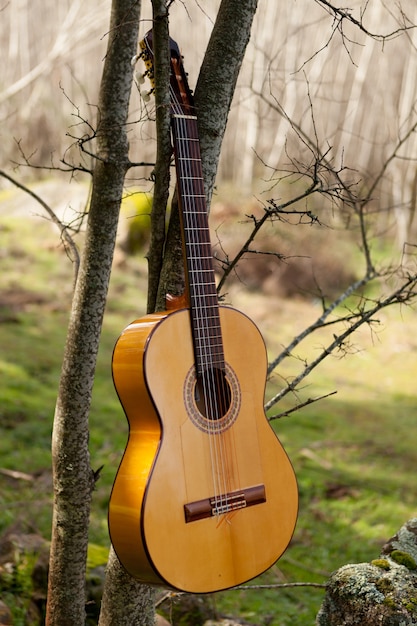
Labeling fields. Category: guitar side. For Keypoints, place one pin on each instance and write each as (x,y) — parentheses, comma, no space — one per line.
(145,430)
(161,524)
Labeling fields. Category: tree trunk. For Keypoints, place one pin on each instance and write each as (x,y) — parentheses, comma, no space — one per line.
(213,95)
(72,474)
(163,151)
(217,80)
(126,602)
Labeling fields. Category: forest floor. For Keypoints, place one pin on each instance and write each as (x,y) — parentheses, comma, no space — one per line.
(354,452)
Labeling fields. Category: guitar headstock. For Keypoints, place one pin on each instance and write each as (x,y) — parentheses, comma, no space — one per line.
(181,96)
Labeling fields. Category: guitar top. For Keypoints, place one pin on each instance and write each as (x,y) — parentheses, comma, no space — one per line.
(205,497)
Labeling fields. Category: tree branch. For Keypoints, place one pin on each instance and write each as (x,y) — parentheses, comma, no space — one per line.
(63,228)
(405,294)
(279,586)
(300,406)
(342,14)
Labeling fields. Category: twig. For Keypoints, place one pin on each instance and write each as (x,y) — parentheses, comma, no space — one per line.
(167,595)
(403,294)
(15,474)
(320,322)
(271,212)
(280,586)
(62,227)
(300,406)
(343,14)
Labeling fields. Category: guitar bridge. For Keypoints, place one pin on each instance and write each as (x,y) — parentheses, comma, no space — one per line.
(225,503)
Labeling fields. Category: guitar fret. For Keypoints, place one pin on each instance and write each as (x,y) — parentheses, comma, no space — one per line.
(184,117)
(213,297)
(214,333)
(204,305)
(214,329)
(213,343)
(208,322)
(210,306)
(206,316)
(206,283)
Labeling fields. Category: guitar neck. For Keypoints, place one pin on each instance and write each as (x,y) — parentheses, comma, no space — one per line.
(204,307)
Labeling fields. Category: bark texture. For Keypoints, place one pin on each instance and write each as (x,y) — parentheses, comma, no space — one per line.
(72,475)
(163,152)
(125,601)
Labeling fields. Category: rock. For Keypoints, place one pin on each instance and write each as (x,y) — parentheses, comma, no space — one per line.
(24,568)
(382,592)
(13,543)
(405,540)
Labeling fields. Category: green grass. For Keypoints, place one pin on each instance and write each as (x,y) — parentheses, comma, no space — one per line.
(354,453)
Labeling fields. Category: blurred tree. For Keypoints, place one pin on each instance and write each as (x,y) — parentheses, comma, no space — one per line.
(125,601)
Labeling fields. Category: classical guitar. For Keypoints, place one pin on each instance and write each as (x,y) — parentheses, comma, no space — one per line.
(205,497)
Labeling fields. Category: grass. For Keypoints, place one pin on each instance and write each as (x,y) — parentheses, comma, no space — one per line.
(354,453)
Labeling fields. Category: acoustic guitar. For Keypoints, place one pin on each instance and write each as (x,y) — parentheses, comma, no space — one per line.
(205,497)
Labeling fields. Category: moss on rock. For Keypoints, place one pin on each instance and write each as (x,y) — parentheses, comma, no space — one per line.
(402,558)
(381,592)
(381,563)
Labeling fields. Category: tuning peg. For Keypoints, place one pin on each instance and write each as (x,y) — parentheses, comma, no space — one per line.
(140,78)
(134,59)
(146,95)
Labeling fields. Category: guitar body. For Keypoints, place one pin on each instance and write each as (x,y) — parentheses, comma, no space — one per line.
(198,504)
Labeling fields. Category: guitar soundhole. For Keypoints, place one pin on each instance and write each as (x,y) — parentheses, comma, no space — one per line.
(212,401)
(212,394)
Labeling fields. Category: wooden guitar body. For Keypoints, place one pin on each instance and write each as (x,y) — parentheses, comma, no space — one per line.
(198,504)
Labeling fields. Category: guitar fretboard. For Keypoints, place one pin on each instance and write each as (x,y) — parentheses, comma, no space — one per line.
(205,320)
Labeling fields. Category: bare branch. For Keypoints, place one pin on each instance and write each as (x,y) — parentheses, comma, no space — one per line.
(280,586)
(63,228)
(300,406)
(345,14)
(320,322)
(271,212)
(405,294)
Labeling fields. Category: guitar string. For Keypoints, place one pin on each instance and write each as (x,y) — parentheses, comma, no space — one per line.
(213,410)
(206,363)
(206,367)
(226,396)
(225,439)
(192,253)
